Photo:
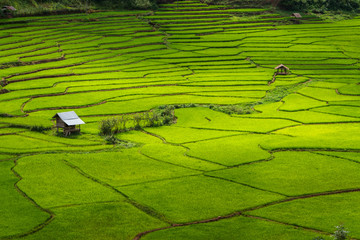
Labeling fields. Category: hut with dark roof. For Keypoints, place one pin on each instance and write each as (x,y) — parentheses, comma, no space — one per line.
(68,121)
(282,70)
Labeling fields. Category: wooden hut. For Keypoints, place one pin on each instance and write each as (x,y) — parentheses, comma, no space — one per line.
(296,15)
(282,70)
(8,11)
(68,121)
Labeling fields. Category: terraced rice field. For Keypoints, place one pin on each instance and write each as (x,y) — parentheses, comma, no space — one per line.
(289,170)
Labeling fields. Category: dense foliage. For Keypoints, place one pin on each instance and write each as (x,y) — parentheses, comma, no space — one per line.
(284,164)
(39,6)
(43,6)
(320,5)
(129,4)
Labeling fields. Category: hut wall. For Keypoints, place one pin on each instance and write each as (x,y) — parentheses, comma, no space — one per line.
(60,123)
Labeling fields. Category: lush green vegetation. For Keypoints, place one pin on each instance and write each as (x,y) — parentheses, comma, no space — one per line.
(321,6)
(206,142)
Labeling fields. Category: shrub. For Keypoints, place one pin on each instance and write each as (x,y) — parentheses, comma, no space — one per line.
(167,114)
(111,139)
(39,128)
(137,119)
(128,4)
(154,119)
(142,4)
(106,126)
(163,115)
(340,233)
(234,109)
(320,5)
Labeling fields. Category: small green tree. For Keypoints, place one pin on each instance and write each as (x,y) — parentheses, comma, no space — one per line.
(155,119)
(105,127)
(167,113)
(122,123)
(137,120)
(340,233)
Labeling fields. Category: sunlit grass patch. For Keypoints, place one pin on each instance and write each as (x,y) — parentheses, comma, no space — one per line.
(177,155)
(326,94)
(15,143)
(175,134)
(139,137)
(312,116)
(51,182)
(350,89)
(208,119)
(317,136)
(186,203)
(230,151)
(234,228)
(322,212)
(354,156)
(113,220)
(296,102)
(296,173)
(351,111)
(126,167)
(12,107)
(19,215)
(5,157)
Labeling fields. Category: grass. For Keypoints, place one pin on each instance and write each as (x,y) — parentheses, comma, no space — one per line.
(5,157)
(198,118)
(177,155)
(19,215)
(294,136)
(322,212)
(296,102)
(323,136)
(351,111)
(231,153)
(17,143)
(51,183)
(99,220)
(174,134)
(350,89)
(186,202)
(315,115)
(229,229)
(346,155)
(326,94)
(309,173)
(126,167)
(139,105)
(12,107)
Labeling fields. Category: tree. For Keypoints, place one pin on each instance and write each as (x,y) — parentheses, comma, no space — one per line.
(340,233)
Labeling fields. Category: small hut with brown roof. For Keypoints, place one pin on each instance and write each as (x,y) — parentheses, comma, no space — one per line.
(296,15)
(68,121)
(282,70)
(8,11)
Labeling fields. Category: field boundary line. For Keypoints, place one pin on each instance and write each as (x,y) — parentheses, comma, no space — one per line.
(22,193)
(241,213)
(146,209)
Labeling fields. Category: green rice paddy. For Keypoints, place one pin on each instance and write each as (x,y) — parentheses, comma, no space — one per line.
(251,155)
